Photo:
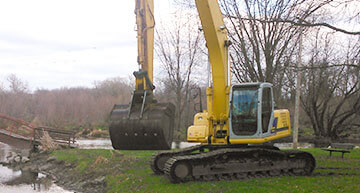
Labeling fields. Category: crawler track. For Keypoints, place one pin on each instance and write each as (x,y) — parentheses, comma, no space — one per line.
(232,163)
(158,160)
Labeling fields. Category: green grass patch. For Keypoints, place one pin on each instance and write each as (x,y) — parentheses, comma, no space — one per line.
(96,161)
(128,171)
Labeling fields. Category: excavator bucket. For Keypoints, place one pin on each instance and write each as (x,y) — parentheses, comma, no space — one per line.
(142,125)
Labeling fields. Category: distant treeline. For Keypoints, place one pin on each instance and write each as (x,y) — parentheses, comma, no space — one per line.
(65,107)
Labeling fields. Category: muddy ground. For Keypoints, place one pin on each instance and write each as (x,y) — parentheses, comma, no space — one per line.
(63,174)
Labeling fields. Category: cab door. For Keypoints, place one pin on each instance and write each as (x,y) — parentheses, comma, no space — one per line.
(266,108)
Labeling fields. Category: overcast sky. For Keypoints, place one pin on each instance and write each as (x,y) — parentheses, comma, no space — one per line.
(66,43)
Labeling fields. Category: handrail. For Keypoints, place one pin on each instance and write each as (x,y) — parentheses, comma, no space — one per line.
(22,122)
(29,127)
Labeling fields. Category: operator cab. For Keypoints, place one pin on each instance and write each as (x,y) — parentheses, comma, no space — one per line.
(251,110)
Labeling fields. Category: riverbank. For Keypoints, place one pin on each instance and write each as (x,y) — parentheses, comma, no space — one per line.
(100,170)
(74,169)
(22,179)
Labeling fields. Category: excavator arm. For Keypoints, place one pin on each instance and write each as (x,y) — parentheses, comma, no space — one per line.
(145,23)
(144,124)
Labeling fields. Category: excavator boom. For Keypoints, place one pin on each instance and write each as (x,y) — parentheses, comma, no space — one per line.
(217,43)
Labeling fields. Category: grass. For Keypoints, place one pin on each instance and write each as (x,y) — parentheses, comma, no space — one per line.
(128,171)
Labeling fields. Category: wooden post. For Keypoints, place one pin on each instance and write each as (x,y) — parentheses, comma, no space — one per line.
(297,98)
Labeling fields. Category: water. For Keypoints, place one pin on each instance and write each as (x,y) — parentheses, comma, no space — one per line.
(23,181)
(94,143)
(106,144)
(30,189)
(290,145)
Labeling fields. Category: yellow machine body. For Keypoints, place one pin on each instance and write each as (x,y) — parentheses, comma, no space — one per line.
(214,125)
(199,132)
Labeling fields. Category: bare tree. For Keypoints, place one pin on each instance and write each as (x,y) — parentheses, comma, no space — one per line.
(16,85)
(265,34)
(178,50)
(16,97)
(263,46)
(331,95)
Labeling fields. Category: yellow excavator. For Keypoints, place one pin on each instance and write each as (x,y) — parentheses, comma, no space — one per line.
(144,124)
(239,120)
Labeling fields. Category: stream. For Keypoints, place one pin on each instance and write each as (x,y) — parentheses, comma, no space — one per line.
(106,144)
(26,181)
(23,181)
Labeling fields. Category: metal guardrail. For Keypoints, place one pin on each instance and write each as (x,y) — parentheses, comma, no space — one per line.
(27,131)
(16,130)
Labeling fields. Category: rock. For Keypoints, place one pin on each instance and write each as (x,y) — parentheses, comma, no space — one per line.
(99,180)
(82,184)
(11,156)
(357,147)
(50,159)
(4,163)
(17,159)
(25,153)
(25,159)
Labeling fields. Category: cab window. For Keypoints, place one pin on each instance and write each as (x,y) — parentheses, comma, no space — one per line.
(266,109)
(244,111)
